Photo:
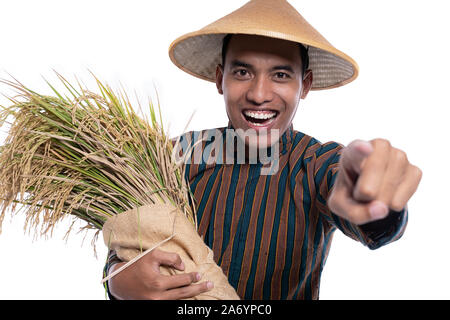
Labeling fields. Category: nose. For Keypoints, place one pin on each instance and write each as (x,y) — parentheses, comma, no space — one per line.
(260,91)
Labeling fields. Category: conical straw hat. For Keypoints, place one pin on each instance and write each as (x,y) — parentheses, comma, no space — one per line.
(199,52)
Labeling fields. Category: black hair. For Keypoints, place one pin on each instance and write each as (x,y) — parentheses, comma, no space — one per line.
(303,53)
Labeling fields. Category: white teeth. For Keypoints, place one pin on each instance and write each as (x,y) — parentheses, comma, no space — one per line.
(259,114)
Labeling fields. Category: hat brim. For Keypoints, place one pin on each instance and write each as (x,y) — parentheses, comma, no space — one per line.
(199,55)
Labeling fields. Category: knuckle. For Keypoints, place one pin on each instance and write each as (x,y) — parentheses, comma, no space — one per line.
(156,283)
(418,172)
(353,142)
(177,258)
(382,143)
(187,279)
(174,258)
(193,277)
(367,191)
(154,254)
(400,156)
(184,292)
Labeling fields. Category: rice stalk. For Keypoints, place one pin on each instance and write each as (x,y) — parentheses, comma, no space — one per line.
(86,155)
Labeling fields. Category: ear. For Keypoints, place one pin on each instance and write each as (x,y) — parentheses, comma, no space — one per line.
(219,78)
(307,83)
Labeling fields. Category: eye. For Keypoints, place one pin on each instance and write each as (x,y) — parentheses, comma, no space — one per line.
(282,75)
(241,73)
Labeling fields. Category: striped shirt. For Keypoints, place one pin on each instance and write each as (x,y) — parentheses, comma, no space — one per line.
(271,234)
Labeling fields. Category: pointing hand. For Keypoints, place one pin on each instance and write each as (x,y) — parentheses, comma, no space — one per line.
(373,178)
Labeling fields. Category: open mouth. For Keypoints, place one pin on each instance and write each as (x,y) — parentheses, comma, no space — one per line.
(260,118)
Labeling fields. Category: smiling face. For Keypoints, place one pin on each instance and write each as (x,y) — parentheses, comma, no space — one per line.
(262,84)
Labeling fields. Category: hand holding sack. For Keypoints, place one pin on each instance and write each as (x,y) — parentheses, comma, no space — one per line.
(134,231)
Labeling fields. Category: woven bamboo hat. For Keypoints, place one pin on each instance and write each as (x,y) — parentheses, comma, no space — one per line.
(199,52)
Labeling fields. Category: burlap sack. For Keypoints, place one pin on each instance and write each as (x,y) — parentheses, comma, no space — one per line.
(146,226)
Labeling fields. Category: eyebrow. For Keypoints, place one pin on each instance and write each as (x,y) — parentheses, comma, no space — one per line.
(237,63)
(283,67)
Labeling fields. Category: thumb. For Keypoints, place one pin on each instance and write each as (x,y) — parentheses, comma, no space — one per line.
(354,154)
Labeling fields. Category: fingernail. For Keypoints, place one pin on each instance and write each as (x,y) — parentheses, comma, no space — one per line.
(182,265)
(198,276)
(378,210)
(209,285)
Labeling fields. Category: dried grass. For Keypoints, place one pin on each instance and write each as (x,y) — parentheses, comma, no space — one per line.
(87,155)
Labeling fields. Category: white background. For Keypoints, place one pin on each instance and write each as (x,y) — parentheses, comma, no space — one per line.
(401,94)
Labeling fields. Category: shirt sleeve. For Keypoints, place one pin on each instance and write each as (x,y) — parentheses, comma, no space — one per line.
(111,260)
(374,234)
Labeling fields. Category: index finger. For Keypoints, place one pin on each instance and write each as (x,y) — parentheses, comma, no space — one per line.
(354,155)
(372,173)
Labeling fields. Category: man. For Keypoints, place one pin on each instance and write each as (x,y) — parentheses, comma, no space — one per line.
(271,233)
